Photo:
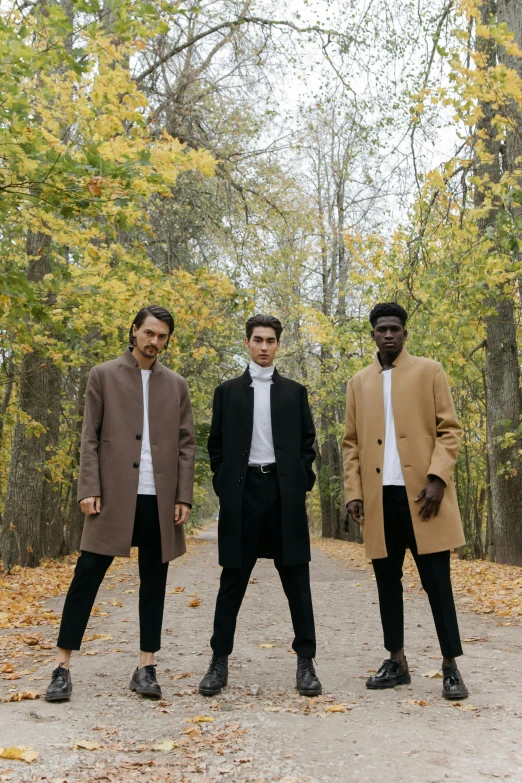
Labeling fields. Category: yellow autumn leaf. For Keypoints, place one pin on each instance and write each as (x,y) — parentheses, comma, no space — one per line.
(335,708)
(19,753)
(164,746)
(88,745)
(433,674)
(201,719)
(266,646)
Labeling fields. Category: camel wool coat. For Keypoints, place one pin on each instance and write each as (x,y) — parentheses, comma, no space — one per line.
(111,449)
(428,436)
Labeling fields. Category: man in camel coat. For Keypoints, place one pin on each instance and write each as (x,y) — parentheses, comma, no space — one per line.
(135,488)
(400,447)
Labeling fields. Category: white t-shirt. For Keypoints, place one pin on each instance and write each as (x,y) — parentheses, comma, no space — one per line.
(262,447)
(146,485)
(392,470)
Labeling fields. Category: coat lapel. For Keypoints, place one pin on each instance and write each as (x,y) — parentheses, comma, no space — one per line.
(247,404)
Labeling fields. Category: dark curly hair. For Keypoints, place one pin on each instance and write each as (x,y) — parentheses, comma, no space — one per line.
(388,308)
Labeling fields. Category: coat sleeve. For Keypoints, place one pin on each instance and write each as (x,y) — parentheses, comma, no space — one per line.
(307,432)
(215,438)
(89,485)
(187,450)
(449,431)
(352,469)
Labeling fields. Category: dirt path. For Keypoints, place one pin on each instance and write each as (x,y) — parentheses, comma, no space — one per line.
(260,729)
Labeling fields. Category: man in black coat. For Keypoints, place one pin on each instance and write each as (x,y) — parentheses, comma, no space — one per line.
(261,454)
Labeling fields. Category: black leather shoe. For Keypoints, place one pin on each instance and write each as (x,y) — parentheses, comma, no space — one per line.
(145,683)
(60,687)
(216,677)
(390,674)
(307,682)
(453,685)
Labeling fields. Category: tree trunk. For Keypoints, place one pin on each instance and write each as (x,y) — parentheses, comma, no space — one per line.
(21,536)
(504,402)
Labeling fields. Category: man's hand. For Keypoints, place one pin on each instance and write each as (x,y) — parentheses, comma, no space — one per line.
(90,506)
(432,494)
(181,513)
(356,510)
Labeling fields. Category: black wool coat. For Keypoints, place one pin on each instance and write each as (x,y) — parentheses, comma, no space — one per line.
(229,443)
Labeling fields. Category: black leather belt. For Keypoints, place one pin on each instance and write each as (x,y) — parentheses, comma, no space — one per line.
(264,468)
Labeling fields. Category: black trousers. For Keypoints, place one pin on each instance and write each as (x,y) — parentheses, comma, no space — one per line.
(434,572)
(261,537)
(91,569)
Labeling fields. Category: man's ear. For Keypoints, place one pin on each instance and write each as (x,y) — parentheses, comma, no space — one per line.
(405,333)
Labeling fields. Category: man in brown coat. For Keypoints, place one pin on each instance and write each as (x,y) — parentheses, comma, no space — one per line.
(400,447)
(135,488)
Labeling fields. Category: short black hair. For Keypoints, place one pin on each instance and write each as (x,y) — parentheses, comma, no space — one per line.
(388,308)
(264,320)
(157,312)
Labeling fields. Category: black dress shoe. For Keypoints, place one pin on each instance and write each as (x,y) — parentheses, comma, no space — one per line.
(307,682)
(60,687)
(145,683)
(390,674)
(216,677)
(453,685)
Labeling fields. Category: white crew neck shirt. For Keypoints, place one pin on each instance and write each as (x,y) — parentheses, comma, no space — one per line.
(392,470)
(146,485)
(262,447)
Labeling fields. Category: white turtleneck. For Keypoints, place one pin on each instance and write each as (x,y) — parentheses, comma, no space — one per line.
(262,448)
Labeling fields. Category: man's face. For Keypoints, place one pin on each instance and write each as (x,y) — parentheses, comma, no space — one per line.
(262,346)
(389,335)
(151,337)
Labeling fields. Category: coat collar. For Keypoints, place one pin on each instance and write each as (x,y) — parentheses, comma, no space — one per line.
(247,378)
(128,360)
(402,360)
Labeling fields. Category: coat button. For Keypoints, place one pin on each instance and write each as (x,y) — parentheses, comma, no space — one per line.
(379,441)
(240,479)
(135,464)
(378,470)
(138,437)
(245,454)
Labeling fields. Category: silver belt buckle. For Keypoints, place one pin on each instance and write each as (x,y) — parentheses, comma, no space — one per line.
(262,469)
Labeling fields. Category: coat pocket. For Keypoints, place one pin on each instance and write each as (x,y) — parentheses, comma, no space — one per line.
(215,479)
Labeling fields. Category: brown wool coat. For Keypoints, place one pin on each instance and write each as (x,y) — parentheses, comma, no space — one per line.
(428,436)
(111,446)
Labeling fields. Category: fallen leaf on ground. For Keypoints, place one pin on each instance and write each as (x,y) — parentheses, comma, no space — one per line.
(433,674)
(19,753)
(465,707)
(194,602)
(182,676)
(418,702)
(31,639)
(166,745)
(114,602)
(22,695)
(335,708)
(88,745)
(129,591)
(102,636)
(6,668)
(266,646)
(472,639)
(192,732)
(201,719)
(176,590)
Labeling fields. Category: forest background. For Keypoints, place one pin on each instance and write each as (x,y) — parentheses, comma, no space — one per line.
(228,157)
